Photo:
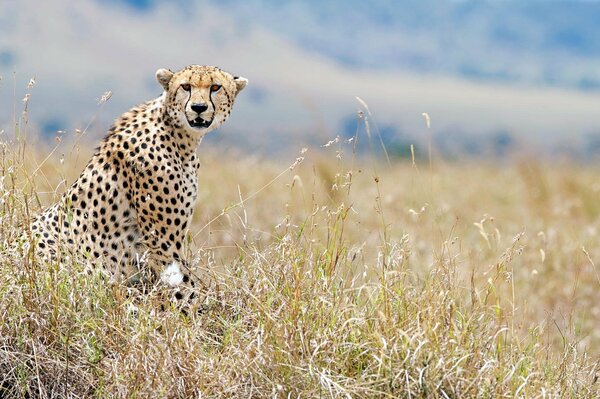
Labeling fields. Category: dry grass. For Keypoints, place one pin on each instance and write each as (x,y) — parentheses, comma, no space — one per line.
(331,276)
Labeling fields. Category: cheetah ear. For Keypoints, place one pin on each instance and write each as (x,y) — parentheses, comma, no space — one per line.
(164,77)
(240,83)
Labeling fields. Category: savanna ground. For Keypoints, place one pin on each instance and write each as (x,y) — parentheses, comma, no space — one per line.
(329,275)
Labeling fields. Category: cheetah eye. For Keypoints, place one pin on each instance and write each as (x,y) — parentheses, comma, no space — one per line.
(186,87)
(215,88)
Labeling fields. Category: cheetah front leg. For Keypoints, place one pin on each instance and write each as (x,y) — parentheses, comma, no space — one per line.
(162,229)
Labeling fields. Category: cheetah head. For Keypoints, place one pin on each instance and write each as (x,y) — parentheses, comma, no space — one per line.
(199,98)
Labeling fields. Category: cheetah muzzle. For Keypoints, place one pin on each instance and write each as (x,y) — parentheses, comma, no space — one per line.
(200,123)
(129,210)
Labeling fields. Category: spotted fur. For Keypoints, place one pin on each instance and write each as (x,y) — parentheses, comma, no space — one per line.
(129,209)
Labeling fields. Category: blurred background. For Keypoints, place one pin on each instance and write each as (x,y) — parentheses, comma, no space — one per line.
(494,76)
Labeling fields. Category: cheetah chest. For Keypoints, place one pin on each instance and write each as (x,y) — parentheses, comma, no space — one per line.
(190,183)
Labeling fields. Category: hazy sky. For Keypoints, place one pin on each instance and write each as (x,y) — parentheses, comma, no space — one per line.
(530,69)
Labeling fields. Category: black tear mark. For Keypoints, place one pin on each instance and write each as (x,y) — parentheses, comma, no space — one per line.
(213,105)
(186,103)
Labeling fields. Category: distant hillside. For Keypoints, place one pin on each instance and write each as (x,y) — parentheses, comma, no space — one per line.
(553,43)
(492,76)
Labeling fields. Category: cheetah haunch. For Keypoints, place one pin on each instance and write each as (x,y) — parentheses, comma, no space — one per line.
(129,209)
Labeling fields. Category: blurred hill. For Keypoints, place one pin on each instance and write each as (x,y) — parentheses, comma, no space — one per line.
(553,43)
(525,73)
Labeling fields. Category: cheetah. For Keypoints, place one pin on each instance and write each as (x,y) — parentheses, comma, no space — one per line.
(129,209)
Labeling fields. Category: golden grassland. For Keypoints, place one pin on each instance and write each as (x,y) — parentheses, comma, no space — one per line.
(329,275)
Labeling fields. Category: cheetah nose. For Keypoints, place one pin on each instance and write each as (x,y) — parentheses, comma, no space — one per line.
(199,108)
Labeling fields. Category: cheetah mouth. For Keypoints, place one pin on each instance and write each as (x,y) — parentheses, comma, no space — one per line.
(199,123)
